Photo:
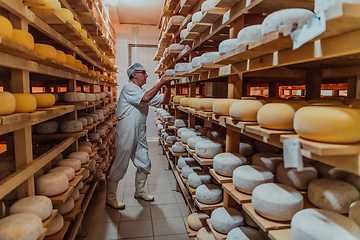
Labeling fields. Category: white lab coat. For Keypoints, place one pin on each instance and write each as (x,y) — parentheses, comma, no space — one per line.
(130,134)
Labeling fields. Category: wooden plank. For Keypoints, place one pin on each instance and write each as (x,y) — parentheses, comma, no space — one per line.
(189,150)
(89,179)
(71,216)
(76,227)
(8,166)
(221,120)
(238,196)
(218,236)
(219,178)
(84,189)
(13,48)
(226,3)
(61,234)
(184,154)
(267,133)
(203,206)
(80,172)
(212,16)
(204,114)
(89,196)
(199,28)
(192,233)
(203,161)
(282,234)
(190,188)
(47,221)
(50,16)
(42,236)
(238,124)
(59,199)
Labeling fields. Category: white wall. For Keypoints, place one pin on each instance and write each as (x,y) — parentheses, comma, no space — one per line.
(126,34)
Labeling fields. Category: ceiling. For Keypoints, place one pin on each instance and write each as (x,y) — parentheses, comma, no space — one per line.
(135,11)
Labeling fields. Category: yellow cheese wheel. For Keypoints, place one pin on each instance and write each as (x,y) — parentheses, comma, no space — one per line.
(77,25)
(47,50)
(24,102)
(6,29)
(328,124)
(184,101)
(83,33)
(177,98)
(278,116)
(70,59)
(196,104)
(326,102)
(23,38)
(67,14)
(92,73)
(245,110)
(89,42)
(78,63)
(60,56)
(191,101)
(84,68)
(206,104)
(44,100)
(8,103)
(222,106)
(98,74)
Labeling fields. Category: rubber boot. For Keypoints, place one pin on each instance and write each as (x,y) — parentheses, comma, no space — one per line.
(140,180)
(111,199)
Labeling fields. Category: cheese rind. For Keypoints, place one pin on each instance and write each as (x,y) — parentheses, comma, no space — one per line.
(21,226)
(206,104)
(224,219)
(71,126)
(6,29)
(65,207)
(225,163)
(55,225)
(222,106)
(186,135)
(248,177)
(246,148)
(24,103)
(70,162)
(244,233)
(208,194)
(68,171)
(186,161)
(74,97)
(268,160)
(245,110)
(47,50)
(207,149)
(187,170)
(227,45)
(40,205)
(249,34)
(51,184)
(294,178)
(209,57)
(44,100)
(196,179)
(9,103)
(205,234)
(82,156)
(23,38)
(60,56)
(197,220)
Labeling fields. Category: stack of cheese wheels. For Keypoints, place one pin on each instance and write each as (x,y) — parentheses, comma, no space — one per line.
(209,6)
(177,148)
(181,130)
(6,29)
(333,195)
(47,50)
(23,38)
(55,225)
(44,100)
(326,171)
(208,194)
(225,163)
(21,226)
(48,127)
(275,201)
(295,178)
(249,34)
(279,116)
(246,148)
(322,5)
(193,140)
(318,224)
(268,160)
(186,161)
(196,104)
(205,234)
(24,103)
(207,149)
(244,233)
(71,126)
(188,169)
(181,67)
(40,205)
(224,219)
(245,110)
(70,162)
(206,104)
(68,171)
(177,98)
(186,135)
(82,156)
(227,45)
(8,100)
(285,18)
(51,184)
(222,106)
(197,220)
(196,179)
(248,177)
(74,97)
(185,101)
(65,207)
(314,123)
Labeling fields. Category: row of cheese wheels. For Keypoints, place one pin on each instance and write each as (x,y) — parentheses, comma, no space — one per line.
(318,120)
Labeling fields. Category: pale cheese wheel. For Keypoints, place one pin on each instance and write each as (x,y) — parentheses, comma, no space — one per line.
(70,162)
(286,17)
(196,16)
(8,99)
(51,184)
(179,123)
(184,102)
(294,178)
(177,148)
(184,33)
(196,179)
(268,160)
(170,139)
(186,161)
(47,127)
(208,5)
(278,116)
(82,156)
(277,202)
(333,195)
(177,98)
(354,212)
(244,233)
(246,148)
(245,110)
(206,104)
(319,224)
(176,47)
(248,220)
(224,219)
(264,147)
(196,104)
(177,19)
(227,45)
(85,149)
(205,234)
(249,34)
(97,96)
(24,103)
(94,137)
(181,130)
(197,220)
(196,62)
(187,170)
(6,29)
(23,38)
(55,225)
(222,106)
(44,100)
(71,126)
(80,185)
(207,149)
(83,121)
(326,171)
(209,57)
(75,194)
(322,5)
(92,165)
(74,97)
(186,135)
(68,171)
(89,120)
(47,50)
(86,174)
(328,124)
(65,207)
(222,141)
(21,226)
(193,140)
(89,97)
(189,26)
(248,177)
(70,59)
(60,56)
(170,72)
(180,67)
(208,194)
(68,15)
(214,134)
(225,163)
(40,205)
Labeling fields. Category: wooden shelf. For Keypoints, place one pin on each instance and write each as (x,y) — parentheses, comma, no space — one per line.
(60,235)
(219,178)
(13,48)
(238,124)
(239,197)
(190,188)
(59,199)
(282,234)
(59,135)
(84,189)
(47,221)
(203,161)
(192,233)
(189,150)
(89,196)
(203,206)
(220,120)
(218,236)
(184,154)
(71,216)
(80,171)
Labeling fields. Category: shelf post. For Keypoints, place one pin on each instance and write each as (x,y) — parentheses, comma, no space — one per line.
(274,89)
(192,93)
(353,88)
(313,83)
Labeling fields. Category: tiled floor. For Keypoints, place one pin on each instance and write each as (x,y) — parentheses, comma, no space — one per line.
(162,219)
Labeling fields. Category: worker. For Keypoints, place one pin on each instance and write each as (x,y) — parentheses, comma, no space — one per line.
(130,135)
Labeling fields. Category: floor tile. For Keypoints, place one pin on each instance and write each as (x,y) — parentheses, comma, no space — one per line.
(169,226)
(129,190)
(165,211)
(153,179)
(160,188)
(184,209)
(164,198)
(135,213)
(134,229)
(130,201)
(102,231)
(173,237)
(179,197)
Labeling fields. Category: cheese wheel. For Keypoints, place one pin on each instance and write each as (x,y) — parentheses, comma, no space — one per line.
(180,67)
(333,195)
(248,220)
(196,179)
(86,174)
(268,160)
(70,60)
(94,116)
(65,207)
(177,19)
(23,38)
(83,33)
(197,220)
(67,14)
(68,171)
(74,97)
(249,34)
(60,56)
(94,137)
(8,100)
(277,202)
(71,126)
(326,171)
(224,219)
(318,224)
(89,120)
(78,63)
(222,141)
(186,135)
(225,163)
(177,98)
(196,104)
(44,100)
(92,165)
(214,134)
(278,116)
(170,72)
(187,170)
(294,178)
(196,62)
(222,106)
(47,50)
(264,147)
(40,205)
(328,124)
(247,177)
(209,57)
(193,140)
(208,5)
(354,180)
(205,234)
(207,149)
(176,47)
(227,45)
(186,161)
(83,121)
(321,5)
(6,29)
(80,186)
(75,195)
(208,194)
(82,156)
(21,226)
(179,123)
(24,103)
(55,225)
(244,233)
(245,110)
(196,16)
(77,25)
(84,68)
(70,162)
(101,132)
(354,212)
(177,148)
(189,26)
(181,130)
(51,184)
(85,149)
(246,148)
(184,33)
(294,17)
(170,139)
